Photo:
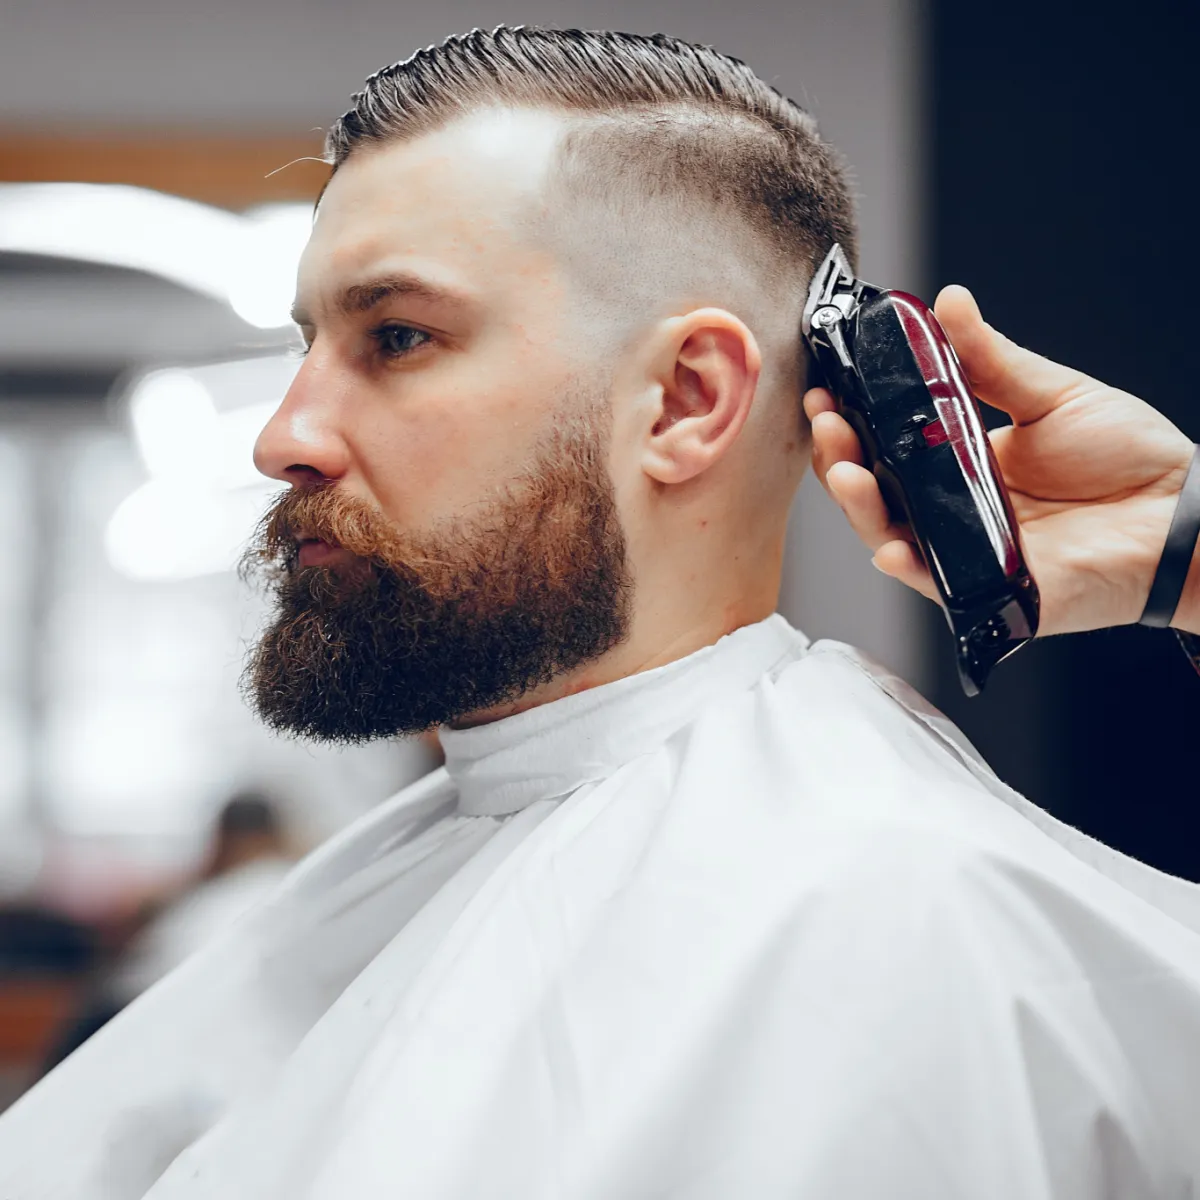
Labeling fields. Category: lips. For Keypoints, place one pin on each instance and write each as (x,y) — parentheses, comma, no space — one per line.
(313,552)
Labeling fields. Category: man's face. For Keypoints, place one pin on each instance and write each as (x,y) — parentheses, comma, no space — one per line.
(451,537)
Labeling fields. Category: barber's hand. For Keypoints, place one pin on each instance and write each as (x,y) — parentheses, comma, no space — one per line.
(1094,476)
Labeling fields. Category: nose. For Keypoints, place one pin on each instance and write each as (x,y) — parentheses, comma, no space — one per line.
(302,442)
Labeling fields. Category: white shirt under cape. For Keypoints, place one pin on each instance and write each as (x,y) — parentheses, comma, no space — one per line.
(757,924)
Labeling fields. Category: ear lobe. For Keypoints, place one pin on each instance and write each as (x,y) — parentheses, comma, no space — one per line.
(710,369)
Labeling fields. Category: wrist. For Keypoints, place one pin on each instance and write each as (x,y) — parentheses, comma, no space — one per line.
(1172,599)
(1187,615)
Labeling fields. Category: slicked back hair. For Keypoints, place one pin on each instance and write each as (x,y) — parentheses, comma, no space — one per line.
(673,119)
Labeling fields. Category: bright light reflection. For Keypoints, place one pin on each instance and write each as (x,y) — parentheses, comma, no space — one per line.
(247,261)
(170,529)
(175,425)
(195,429)
(189,243)
(263,283)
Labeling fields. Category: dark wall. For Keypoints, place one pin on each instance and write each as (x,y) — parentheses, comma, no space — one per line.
(1062,147)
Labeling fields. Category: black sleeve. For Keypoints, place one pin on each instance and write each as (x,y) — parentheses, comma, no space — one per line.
(1191,646)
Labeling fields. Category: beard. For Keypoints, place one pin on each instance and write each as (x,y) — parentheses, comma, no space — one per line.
(416,631)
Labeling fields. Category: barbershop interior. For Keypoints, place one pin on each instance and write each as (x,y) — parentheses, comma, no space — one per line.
(159,164)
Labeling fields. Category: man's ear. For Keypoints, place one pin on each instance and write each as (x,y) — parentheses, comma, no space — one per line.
(706,367)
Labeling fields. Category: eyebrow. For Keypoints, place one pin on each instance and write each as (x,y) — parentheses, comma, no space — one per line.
(362,297)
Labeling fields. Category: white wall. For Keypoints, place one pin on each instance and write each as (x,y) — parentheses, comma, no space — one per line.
(272,64)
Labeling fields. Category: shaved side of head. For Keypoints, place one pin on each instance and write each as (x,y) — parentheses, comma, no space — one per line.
(645,231)
(681,176)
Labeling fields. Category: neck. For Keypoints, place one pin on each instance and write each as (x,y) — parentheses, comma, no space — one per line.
(657,637)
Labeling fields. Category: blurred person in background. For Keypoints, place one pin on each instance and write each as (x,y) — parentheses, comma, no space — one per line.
(695,908)
(247,860)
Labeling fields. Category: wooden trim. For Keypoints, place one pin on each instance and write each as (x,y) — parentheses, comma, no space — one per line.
(233,171)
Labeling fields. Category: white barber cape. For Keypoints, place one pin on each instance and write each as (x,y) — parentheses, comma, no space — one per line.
(753,925)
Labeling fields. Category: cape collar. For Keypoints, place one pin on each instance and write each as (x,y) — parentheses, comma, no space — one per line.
(547,752)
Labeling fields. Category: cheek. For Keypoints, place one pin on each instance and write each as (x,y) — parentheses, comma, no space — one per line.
(438,454)
(406,460)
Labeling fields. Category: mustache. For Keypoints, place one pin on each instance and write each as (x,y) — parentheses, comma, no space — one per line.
(437,563)
(322,511)
(567,485)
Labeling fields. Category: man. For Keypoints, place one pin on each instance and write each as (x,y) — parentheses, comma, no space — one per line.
(695,909)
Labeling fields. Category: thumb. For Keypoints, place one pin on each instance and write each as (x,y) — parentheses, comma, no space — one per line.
(1001,373)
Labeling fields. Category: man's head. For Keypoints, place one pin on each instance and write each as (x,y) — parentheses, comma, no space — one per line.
(248,828)
(549,423)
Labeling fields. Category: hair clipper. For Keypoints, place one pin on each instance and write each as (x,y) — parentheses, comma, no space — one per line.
(899,384)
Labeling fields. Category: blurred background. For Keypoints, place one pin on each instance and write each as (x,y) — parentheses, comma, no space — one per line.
(156,180)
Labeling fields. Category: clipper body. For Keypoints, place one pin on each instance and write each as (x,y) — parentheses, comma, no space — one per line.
(899,384)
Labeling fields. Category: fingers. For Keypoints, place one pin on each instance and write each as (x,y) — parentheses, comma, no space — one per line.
(833,442)
(1025,385)
(818,400)
(902,561)
(833,439)
(837,459)
(857,493)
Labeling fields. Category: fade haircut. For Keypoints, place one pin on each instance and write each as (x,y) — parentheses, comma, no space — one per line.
(681,178)
(673,118)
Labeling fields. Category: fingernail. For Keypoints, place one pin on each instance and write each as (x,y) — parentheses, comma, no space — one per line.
(877,567)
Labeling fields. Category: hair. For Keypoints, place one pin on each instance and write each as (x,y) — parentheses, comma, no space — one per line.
(673,119)
(248,812)
(248,825)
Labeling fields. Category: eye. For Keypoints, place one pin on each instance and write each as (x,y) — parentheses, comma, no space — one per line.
(395,341)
